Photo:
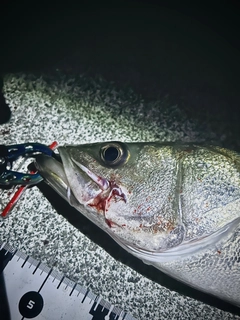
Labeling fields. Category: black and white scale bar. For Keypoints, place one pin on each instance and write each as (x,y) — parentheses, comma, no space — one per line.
(30,289)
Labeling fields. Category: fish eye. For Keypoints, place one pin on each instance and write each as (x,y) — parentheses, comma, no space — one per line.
(114,154)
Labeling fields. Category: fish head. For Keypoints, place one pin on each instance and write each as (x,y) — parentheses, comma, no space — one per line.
(133,191)
(127,189)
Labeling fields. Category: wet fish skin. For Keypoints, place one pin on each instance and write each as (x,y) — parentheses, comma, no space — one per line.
(174,205)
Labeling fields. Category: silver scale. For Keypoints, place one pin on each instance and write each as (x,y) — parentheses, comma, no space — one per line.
(31,290)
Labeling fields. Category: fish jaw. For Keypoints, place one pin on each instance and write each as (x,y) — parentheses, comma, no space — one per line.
(54,175)
(82,180)
(91,190)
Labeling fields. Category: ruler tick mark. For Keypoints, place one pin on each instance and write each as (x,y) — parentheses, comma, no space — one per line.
(24,262)
(60,283)
(72,289)
(36,267)
(45,280)
(85,296)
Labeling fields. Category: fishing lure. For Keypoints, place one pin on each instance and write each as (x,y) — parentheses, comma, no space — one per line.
(16,180)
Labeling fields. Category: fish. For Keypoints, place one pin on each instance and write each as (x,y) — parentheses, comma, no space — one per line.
(174,205)
(77,109)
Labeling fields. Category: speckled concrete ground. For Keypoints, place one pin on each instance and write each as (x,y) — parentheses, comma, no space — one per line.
(73,109)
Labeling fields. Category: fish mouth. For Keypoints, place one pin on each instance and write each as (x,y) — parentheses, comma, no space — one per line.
(76,183)
(54,175)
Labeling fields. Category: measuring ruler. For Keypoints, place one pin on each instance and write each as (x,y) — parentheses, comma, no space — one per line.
(30,289)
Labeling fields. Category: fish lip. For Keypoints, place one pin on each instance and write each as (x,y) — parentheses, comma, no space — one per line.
(47,165)
(54,175)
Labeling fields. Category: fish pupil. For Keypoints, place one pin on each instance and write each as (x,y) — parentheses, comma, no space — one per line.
(114,154)
(111,154)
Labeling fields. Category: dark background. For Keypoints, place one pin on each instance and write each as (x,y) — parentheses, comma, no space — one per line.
(190,52)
